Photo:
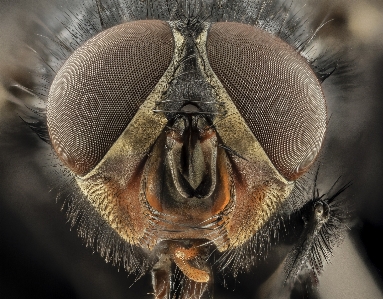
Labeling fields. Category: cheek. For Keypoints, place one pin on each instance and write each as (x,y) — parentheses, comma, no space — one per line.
(115,193)
(259,193)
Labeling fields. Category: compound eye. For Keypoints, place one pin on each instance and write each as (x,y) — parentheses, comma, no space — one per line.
(99,89)
(274,89)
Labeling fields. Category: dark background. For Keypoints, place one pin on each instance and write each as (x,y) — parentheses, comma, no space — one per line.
(41,258)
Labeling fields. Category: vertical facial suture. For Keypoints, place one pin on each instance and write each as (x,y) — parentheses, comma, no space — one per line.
(186,136)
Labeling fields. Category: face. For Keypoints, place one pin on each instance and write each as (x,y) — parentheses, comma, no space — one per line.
(176,142)
(185,137)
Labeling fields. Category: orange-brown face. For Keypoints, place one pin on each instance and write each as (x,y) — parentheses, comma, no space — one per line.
(186,138)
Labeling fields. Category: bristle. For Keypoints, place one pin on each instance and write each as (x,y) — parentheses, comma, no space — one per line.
(325,219)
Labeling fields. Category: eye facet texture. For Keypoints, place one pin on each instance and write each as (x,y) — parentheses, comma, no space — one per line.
(100,87)
(275,91)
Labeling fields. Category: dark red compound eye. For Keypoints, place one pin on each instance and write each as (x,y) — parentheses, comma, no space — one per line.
(275,91)
(100,87)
